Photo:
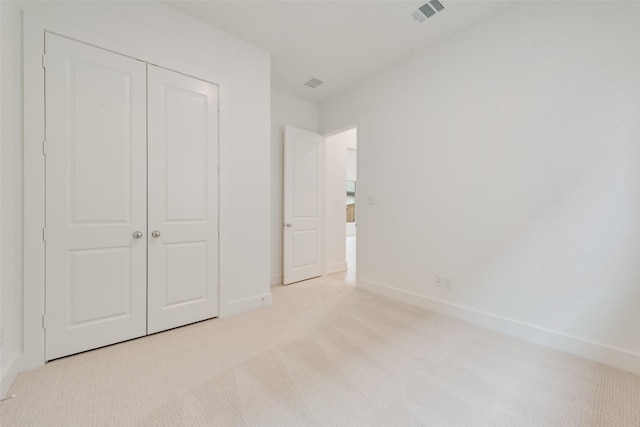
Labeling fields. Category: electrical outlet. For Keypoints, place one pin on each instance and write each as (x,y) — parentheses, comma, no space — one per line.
(442,282)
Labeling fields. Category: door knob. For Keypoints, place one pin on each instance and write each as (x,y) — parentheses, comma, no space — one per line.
(287,224)
(155,233)
(137,234)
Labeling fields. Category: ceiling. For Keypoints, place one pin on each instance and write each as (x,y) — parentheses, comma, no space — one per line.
(339,42)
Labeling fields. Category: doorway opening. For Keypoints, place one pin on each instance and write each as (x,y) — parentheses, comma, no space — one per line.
(351,202)
(341,205)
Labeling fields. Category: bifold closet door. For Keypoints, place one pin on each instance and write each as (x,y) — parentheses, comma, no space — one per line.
(183,199)
(96,213)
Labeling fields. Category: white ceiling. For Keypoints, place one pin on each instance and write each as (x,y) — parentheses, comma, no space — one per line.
(339,42)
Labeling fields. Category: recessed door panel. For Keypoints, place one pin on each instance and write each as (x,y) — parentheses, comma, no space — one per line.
(186,276)
(100,154)
(186,146)
(95,197)
(305,179)
(183,196)
(100,285)
(306,244)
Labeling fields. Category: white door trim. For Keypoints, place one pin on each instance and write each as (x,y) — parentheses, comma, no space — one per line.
(35,24)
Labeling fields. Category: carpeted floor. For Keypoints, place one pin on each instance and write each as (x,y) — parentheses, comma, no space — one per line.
(325,354)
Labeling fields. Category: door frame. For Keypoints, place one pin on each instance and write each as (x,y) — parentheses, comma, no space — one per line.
(35,25)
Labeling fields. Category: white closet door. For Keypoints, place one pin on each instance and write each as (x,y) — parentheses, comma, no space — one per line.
(183,199)
(95,197)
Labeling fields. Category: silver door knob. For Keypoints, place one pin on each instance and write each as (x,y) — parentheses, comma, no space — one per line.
(287,224)
(137,234)
(155,233)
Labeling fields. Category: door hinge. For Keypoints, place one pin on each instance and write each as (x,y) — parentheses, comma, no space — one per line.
(44,234)
(44,61)
(44,148)
(218,168)
(44,321)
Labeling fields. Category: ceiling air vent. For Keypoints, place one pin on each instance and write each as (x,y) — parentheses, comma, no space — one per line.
(313,83)
(427,10)
(436,5)
(419,16)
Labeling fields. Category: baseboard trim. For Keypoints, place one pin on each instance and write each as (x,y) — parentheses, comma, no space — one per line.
(335,267)
(240,306)
(9,373)
(602,353)
(276,280)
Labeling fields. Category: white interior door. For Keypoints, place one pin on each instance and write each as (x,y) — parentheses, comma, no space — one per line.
(95,197)
(183,199)
(303,175)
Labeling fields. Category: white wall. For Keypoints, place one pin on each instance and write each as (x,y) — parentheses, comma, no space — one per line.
(1,345)
(156,33)
(507,159)
(285,110)
(11,196)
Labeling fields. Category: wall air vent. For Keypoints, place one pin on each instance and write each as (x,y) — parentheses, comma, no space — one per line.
(427,10)
(313,83)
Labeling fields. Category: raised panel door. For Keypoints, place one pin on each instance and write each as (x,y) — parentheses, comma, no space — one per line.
(95,197)
(183,199)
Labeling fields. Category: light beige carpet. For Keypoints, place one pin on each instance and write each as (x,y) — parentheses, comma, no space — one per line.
(325,354)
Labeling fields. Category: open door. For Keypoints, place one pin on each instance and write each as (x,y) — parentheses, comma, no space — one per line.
(303,176)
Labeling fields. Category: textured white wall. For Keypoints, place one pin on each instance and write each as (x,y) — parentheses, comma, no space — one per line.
(507,159)
(11,195)
(156,33)
(1,364)
(285,110)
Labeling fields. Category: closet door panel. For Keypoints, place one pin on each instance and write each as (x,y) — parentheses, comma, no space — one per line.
(183,199)
(95,197)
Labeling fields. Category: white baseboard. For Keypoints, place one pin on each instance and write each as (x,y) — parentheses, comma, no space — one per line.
(335,267)
(276,280)
(9,373)
(589,350)
(235,307)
